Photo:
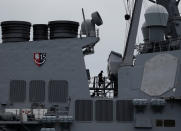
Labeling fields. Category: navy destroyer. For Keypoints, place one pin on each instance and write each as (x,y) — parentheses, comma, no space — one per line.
(45,85)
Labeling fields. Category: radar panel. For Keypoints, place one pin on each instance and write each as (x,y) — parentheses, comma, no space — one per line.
(159,74)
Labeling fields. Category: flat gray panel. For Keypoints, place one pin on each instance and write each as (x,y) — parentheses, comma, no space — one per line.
(59,65)
(17,90)
(83,110)
(104,110)
(37,91)
(124,110)
(143,123)
(58,91)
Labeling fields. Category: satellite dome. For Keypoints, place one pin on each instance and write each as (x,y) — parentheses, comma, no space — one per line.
(156,8)
(145,24)
(145,31)
(156,15)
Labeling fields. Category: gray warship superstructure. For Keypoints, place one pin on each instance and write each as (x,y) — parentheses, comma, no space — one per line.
(45,86)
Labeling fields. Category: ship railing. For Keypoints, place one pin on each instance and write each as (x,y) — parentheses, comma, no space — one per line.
(101,89)
(158,46)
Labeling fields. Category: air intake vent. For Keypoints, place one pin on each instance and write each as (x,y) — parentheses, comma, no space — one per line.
(37,91)
(63,29)
(40,32)
(83,110)
(104,110)
(17,91)
(58,91)
(124,110)
(15,31)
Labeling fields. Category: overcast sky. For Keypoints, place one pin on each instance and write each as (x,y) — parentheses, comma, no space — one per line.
(112,33)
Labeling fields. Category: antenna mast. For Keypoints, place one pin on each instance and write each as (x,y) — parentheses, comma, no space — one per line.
(131,40)
(83,14)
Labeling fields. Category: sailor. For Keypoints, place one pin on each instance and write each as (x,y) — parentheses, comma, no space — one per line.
(100,79)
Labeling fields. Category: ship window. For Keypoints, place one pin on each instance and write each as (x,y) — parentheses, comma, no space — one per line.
(169,123)
(17,90)
(58,91)
(159,123)
(104,110)
(124,110)
(83,110)
(37,91)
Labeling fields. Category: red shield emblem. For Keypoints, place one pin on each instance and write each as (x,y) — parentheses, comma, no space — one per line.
(39,58)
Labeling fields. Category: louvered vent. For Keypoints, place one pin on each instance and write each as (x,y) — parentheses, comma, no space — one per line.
(104,110)
(37,91)
(83,110)
(58,91)
(17,90)
(124,110)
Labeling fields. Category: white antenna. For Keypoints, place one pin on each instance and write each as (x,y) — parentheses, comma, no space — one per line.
(83,14)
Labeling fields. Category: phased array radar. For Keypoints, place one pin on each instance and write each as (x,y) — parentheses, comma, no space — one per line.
(45,85)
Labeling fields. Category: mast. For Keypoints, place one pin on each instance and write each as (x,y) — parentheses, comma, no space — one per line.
(178,2)
(131,40)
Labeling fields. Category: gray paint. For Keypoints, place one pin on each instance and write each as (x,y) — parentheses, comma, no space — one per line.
(132,90)
(17,64)
(73,70)
(65,62)
(133,30)
(114,63)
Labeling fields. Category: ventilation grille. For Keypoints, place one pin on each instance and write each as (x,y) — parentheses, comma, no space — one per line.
(104,110)
(83,110)
(17,91)
(37,91)
(58,91)
(124,110)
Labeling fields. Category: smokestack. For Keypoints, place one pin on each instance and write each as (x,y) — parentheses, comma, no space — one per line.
(145,32)
(15,31)
(40,32)
(63,29)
